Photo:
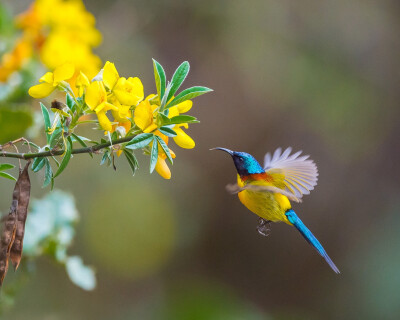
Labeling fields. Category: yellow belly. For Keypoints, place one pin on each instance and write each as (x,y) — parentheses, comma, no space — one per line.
(267,205)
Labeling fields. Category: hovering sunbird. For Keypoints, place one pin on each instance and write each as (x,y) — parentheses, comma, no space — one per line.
(267,191)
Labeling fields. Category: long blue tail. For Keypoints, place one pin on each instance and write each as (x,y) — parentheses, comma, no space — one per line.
(307,234)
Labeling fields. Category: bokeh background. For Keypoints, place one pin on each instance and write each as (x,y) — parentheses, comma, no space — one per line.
(318,76)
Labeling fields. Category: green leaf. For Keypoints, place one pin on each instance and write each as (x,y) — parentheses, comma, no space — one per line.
(106,156)
(70,103)
(7,176)
(32,144)
(66,158)
(164,98)
(38,164)
(46,118)
(133,163)
(81,275)
(154,155)
(159,75)
(167,131)
(165,148)
(6,166)
(187,94)
(183,119)
(48,174)
(81,142)
(55,137)
(164,119)
(178,78)
(140,141)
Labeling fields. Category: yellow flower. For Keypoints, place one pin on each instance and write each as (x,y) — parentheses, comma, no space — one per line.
(182,139)
(144,119)
(51,80)
(161,165)
(110,75)
(96,99)
(81,83)
(60,31)
(143,116)
(127,91)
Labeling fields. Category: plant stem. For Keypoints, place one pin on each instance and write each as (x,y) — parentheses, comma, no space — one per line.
(50,153)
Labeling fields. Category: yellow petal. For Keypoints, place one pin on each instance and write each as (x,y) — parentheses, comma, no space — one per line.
(182,139)
(82,80)
(173,112)
(104,121)
(95,94)
(122,114)
(143,115)
(48,77)
(64,72)
(129,92)
(110,75)
(162,168)
(41,90)
(184,106)
(150,128)
(137,88)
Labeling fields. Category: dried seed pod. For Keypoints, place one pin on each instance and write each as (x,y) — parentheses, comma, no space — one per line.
(22,211)
(8,234)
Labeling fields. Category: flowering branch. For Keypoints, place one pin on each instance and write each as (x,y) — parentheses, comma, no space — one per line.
(51,153)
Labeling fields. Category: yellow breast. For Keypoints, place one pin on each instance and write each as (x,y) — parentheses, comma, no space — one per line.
(267,205)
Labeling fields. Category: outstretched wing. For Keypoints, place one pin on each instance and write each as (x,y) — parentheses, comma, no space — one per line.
(299,173)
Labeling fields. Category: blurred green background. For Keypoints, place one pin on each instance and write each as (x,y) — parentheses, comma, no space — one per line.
(318,76)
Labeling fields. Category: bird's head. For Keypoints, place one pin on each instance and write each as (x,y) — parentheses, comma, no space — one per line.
(245,163)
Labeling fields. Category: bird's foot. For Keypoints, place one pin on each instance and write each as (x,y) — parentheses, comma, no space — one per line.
(264,227)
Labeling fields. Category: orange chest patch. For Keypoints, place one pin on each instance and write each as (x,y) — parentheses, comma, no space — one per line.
(257,176)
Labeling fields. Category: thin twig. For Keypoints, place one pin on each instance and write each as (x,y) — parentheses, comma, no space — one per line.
(92,149)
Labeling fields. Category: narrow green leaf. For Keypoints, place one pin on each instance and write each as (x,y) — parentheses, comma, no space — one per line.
(6,166)
(167,131)
(165,148)
(32,144)
(106,156)
(7,176)
(46,118)
(70,103)
(154,155)
(164,119)
(81,142)
(183,119)
(48,174)
(140,141)
(55,137)
(159,75)
(66,158)
(38,164)
(133,163)
(187,94)
(178,78)
(164,98)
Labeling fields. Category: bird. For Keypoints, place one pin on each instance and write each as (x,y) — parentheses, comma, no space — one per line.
(267,190)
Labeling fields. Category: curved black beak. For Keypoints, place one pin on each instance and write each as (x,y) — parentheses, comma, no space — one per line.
(224,149)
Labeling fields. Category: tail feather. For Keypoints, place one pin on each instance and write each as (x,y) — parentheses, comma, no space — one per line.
(311,239)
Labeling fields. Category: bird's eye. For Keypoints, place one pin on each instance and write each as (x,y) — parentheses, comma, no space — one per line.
(241,159)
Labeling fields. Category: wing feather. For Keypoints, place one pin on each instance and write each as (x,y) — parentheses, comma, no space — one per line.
(300,173)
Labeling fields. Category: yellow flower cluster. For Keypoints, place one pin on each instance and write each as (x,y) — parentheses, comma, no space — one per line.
(59,31)
(145,117)
(124,97)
